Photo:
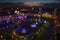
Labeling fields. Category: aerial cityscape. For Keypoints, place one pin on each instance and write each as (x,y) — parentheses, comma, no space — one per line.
(32,20)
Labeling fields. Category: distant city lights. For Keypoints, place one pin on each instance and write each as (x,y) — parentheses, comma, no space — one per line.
(19,17)
(33,25)
(4,18)
(23,31)
(39,20)
(36,22)
(45,21)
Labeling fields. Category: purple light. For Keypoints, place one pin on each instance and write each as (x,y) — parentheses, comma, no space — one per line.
(23,31)
(4,18)
(19,17)
(33,25)
(39,20)
(8,21)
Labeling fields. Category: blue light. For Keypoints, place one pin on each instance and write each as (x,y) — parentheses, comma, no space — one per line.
(23,31)
(39,20)
(19,17)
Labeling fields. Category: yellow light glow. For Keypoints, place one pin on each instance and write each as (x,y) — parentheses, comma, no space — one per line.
(25,38)
(14,33)
(1,36)
(58,25)
(21,36)
(39,15)
(46,15)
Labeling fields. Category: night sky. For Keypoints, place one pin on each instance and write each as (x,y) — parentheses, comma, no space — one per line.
(31,1)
